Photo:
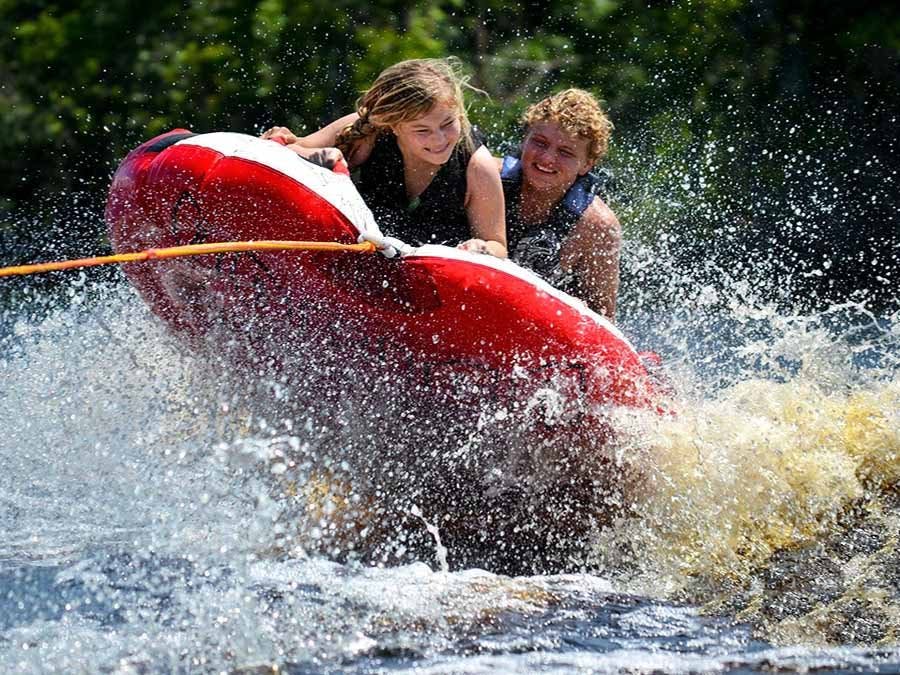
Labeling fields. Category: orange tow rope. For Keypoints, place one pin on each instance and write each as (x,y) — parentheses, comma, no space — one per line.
(183,251)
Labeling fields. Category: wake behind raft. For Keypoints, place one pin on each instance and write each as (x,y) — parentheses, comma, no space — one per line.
(432,305)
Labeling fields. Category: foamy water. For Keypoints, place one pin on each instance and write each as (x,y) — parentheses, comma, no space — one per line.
(155,518)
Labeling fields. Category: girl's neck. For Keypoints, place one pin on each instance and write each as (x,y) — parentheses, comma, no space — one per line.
(417,175)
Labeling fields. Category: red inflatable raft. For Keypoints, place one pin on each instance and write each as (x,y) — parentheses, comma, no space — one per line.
(435,304)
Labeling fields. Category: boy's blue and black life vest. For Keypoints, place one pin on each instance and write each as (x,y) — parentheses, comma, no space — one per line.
(537,245)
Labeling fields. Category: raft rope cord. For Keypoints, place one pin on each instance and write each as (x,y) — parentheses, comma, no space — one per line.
(367,244)
(389,246)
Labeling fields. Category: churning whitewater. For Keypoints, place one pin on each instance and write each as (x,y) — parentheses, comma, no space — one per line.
(160,516)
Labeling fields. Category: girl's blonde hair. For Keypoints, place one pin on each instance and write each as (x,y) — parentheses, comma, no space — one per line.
(579,114)
(406,91)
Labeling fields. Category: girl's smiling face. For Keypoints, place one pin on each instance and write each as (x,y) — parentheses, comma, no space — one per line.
(552,158)
(432,137)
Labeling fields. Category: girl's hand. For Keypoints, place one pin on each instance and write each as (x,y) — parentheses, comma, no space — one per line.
(280,134)
(475,246)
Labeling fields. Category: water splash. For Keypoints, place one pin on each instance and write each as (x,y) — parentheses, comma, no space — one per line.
(158,515)
(757,488)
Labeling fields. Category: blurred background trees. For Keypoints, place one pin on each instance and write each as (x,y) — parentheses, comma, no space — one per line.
(772,123)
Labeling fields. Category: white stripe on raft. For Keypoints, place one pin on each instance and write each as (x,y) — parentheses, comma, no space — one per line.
(509,267)
(334,188)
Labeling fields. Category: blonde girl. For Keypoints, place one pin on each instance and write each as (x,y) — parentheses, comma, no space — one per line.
(415,159)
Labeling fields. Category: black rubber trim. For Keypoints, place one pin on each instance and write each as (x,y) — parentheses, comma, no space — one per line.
(168,141)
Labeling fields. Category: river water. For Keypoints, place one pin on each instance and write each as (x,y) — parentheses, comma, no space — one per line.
(153,519)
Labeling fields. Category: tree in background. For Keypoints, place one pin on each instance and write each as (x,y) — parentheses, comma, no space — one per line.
(735,118)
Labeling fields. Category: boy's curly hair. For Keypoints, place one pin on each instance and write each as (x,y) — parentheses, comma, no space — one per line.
(578,113)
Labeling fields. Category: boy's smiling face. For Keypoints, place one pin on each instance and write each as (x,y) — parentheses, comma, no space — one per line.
(552,158)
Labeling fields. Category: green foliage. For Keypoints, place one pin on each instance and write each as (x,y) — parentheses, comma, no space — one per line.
(81,84)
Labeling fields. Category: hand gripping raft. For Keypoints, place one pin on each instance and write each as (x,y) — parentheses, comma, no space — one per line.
(440,304)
